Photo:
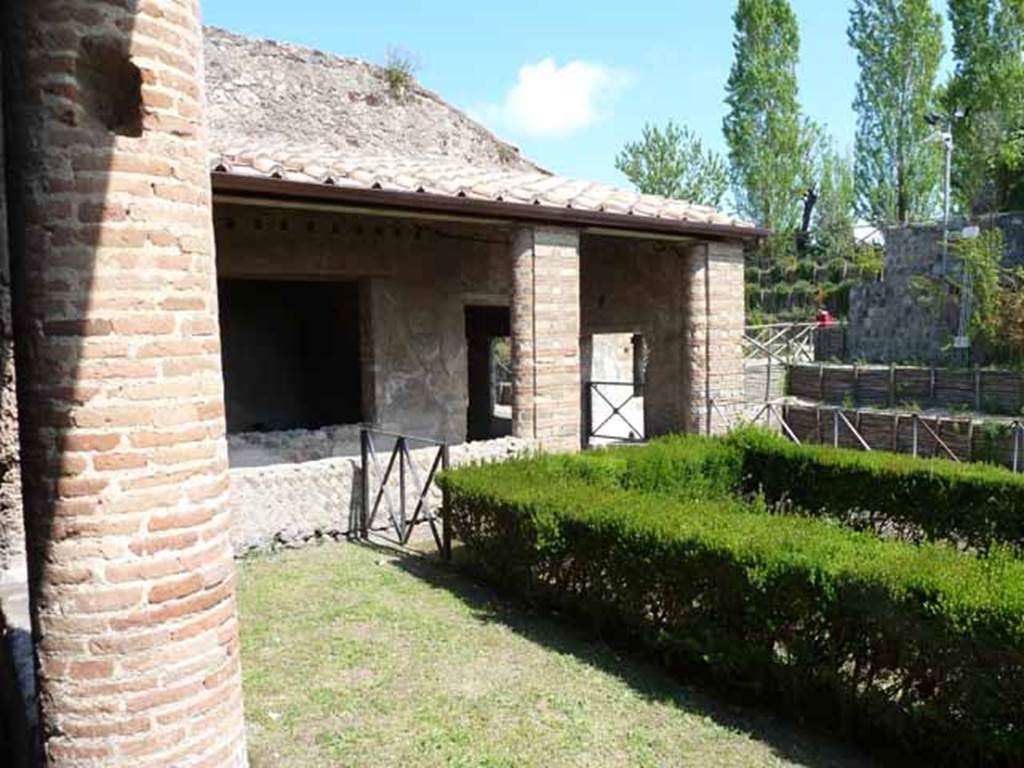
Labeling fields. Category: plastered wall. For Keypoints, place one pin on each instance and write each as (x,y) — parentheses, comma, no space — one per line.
(416,278)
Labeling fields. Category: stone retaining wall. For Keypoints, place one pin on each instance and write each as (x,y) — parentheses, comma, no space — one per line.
(315,496)
(887,320)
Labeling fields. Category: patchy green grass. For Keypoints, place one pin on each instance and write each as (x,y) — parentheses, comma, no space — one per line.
(357,657)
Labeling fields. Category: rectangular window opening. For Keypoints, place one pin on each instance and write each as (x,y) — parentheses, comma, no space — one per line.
(291,354)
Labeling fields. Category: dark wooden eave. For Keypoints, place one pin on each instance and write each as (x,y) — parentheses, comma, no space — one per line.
(264,189)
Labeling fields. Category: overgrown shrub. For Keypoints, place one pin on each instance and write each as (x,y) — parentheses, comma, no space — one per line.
(914,644)
(972,504)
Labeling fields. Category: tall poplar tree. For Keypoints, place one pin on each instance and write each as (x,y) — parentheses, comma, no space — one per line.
(988,47)
(899,48)
(768,140)
(835,215)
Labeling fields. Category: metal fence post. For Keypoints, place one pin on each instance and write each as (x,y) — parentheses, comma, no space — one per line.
(588,415)
(1016,446)
(364,513)
(915,420)
(400,447)
(835,428)
(446,524)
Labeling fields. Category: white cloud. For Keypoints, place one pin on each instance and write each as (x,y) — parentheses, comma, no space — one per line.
(552,101)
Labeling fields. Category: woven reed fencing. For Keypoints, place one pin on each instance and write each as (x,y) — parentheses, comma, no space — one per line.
(955,438)
(982,390)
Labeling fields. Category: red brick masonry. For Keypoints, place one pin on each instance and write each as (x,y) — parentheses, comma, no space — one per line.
(125,460)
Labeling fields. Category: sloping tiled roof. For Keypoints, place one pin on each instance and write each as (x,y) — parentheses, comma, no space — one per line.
(279,112)
(450,178)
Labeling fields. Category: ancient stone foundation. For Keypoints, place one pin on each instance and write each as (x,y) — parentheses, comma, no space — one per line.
(290,488)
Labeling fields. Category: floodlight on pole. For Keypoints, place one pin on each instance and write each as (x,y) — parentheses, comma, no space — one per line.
(945,135)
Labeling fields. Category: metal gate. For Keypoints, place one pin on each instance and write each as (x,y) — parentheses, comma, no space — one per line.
(611,421)
(402,488)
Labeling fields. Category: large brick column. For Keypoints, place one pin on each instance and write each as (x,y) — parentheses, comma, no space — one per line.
(715,318)
(546,338)
(120,393)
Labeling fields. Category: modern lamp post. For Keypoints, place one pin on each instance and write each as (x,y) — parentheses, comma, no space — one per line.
(944,133)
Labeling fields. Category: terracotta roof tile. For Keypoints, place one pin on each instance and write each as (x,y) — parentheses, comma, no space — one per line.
(283,112)
(444,176)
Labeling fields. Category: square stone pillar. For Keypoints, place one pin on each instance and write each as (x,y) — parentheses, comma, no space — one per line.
(715,320)
(547,385)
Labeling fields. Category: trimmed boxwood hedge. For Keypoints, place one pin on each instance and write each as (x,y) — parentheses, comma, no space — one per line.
(972,504)
(916,499)
(913,644)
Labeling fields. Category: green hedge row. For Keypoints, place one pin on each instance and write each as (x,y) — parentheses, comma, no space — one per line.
(917,499)
(914,644)
(972,504)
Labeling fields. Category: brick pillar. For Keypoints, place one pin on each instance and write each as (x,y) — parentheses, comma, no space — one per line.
(546,338)
(715,315)
(120,393)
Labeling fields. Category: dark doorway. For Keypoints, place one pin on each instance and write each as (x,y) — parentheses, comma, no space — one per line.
(291,354)
(488,352)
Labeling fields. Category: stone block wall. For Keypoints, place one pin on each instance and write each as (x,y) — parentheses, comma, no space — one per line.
(547,382)
(765,382)
(889,322)
(120,397)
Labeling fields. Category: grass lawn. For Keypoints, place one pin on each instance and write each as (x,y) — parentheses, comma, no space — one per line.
(357,657)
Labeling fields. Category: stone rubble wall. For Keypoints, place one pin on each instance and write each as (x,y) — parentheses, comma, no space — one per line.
(416,281)
(651,302)
(12,522)
(315,496)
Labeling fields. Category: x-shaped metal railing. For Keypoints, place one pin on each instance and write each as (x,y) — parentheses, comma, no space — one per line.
(841,421)
(378,487)
(636,434)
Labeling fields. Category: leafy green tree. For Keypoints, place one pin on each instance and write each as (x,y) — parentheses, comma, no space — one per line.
(988,48)
(768,140)
(675,163)
(835,212)
(899,48)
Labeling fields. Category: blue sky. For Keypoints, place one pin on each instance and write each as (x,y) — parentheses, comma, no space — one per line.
(561,79)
